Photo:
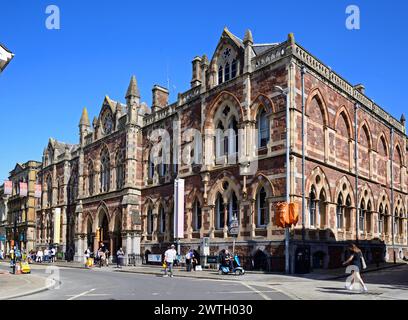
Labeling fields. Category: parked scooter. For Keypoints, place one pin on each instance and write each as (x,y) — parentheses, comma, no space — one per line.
(237,269)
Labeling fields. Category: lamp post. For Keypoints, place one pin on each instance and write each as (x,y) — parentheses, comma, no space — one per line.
(285,92)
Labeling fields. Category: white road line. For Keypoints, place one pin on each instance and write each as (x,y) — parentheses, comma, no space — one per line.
(257,291)
(81,294)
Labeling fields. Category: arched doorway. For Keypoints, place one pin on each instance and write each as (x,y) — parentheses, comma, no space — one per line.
(260,261)
(89,236)
(103,231)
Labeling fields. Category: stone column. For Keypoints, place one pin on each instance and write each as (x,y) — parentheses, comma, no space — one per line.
(64,223)
(225,220)
(128,248)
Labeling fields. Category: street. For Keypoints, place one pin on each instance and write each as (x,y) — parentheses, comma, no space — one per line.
(107,284)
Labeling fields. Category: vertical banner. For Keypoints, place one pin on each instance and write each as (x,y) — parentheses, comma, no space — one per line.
(23,189)
(57,225)
(179,208)
(8,187)
(37,192)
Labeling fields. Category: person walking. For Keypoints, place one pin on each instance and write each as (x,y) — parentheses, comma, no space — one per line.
(189,258)
(87,254)
(120,254)
(356,259)
(39,255)
(169,256)
(53,253)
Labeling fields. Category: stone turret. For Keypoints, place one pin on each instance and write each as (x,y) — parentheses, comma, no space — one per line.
(132,100)
(403,120)
(84,126)
(249,52)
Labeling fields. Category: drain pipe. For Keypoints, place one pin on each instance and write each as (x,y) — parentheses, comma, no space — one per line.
(392,195)
(303,72)
(287,232)
(356,164)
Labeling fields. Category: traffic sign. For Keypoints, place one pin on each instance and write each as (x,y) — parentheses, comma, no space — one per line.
(234,227)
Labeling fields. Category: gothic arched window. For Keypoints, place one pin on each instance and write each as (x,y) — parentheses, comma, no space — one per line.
(120,171)
(197,218)
(340,212)
(312,208)
(261,209)
(150,221)
(263,129)
(219,212)
(162,217)
(105,171)
(91,179)
(49,190)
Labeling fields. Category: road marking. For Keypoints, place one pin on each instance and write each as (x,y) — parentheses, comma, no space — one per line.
(223,292)
(257,291)
(81,294)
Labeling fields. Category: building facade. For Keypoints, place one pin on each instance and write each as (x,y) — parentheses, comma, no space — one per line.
(227,138)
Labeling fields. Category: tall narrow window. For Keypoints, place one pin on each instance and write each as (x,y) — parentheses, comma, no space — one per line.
(150,221)
(232,209)
(197,216)
(234,68)
(120,171)
(227,71)
(362,216)
(105,172)
(262,209)
(219,212)
(396,222)
(348,213)
(220,75)
(49,190)
(91,177)
(386,221)
(219,140)
(381,220)
(339,212)
(263,129)
(162,220)
(232,145)
(368,217)
(312,208)
(151,168)
(322,209)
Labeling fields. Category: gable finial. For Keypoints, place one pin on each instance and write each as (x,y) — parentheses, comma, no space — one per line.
(133,90)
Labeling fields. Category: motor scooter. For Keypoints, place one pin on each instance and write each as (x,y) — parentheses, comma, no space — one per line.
(237,269)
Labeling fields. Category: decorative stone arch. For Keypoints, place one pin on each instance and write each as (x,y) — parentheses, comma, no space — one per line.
(382,137)
(316,94)
(102,209)
(383,199)
(322,184)
(343,111)
(345,192)
(116,215)
(364,124)
(196,194)
(398,150)
(367,194)
(262,100)
(87,217)
(217,187)
(258,182)
(221,100)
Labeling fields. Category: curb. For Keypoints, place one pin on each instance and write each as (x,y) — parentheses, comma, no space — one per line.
(28,293)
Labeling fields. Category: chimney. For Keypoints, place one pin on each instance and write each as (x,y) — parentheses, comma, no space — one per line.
(160,98)
(196,79)
(360,88)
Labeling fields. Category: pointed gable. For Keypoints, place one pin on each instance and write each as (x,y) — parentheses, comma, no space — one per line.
(229,47)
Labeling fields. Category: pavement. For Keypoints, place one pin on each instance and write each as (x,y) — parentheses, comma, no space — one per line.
(388,282)
(13,286)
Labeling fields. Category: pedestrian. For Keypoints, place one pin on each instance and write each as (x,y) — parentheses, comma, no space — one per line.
(40,255)
(53,253)
(1,255)
(120,254)
(356,259)
(169,256)
(46,254)
(87,255)
(189,257)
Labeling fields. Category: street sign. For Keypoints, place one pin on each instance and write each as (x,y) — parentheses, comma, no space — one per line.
(234,227)
(154,258)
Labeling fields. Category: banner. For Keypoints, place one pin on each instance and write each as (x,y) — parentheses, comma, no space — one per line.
(23,189)
(37,192)
(57,225)
(8,187)
(179,208)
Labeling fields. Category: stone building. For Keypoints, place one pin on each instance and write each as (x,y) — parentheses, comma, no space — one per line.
(21,206)
(226,137)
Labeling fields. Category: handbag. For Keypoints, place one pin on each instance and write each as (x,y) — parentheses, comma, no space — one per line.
(363,263)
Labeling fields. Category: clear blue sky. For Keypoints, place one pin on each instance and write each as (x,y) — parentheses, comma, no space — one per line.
(55,73)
